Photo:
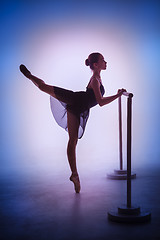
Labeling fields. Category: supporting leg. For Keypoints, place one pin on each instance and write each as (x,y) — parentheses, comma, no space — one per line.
(73,126)
(71,153)
(72,121)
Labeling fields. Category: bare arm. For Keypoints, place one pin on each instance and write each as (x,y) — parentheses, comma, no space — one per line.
(100,99)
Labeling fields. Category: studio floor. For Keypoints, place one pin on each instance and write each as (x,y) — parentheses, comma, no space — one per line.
(38,204)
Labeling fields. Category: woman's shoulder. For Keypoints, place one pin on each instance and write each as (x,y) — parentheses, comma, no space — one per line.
(95,81)
(91,82)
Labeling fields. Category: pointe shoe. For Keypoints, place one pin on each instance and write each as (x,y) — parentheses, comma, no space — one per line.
(75,180)
(24,70)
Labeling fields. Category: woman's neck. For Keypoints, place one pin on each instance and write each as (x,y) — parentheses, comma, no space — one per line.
(96,74)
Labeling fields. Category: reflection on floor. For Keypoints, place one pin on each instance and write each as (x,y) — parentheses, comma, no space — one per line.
(39,204)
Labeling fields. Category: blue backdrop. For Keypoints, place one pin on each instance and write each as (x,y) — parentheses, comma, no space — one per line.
(53,38)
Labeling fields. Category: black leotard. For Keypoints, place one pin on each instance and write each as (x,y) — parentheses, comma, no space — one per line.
(79,103)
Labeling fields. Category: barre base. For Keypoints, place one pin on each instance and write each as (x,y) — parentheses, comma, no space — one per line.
(120,175)
(129,215)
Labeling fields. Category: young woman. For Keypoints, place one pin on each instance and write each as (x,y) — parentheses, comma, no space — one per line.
(76,106)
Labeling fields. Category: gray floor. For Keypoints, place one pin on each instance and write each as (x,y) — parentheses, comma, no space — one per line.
(37,204)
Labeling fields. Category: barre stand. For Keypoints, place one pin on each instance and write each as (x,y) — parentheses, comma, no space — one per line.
(129,213)
(120,174)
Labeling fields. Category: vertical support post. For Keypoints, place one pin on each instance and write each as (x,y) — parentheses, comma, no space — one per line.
(129,130)
(121,174)
(120,132)
(129,213)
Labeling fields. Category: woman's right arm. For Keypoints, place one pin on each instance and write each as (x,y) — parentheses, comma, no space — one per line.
(104,100)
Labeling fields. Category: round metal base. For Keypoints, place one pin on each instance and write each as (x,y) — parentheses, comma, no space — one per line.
(120,175)
(129,215)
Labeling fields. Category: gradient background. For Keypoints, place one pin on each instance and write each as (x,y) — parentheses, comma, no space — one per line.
(53,39)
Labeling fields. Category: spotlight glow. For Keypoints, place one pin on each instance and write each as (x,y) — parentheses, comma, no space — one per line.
(59,60)
(54,47)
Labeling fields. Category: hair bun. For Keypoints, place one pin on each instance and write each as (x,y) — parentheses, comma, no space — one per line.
(87,62)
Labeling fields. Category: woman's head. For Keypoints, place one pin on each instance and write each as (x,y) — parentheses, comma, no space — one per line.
(96,60)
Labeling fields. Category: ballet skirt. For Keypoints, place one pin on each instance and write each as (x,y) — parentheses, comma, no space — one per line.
(78,103)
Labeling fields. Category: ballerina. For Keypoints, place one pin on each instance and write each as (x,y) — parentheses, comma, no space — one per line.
(76,106)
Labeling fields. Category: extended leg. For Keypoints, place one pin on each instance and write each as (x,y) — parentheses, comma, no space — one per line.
(61,94)
(37,81)
(73,126)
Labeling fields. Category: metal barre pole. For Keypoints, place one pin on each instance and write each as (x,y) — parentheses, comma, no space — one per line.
(129,213)
(127,94)
(120,132)
(121,174)
(129,122)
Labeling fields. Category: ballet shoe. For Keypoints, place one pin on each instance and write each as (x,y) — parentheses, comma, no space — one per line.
(75,180)
(24,70)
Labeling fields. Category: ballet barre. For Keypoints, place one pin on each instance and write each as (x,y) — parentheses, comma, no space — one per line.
(121,174)
(128,213)
(127,94)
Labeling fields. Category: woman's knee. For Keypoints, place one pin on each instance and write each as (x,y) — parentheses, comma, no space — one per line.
(72,142)
(42,87)
(47,89)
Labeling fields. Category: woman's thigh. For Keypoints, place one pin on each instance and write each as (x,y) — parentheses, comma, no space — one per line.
(73,125)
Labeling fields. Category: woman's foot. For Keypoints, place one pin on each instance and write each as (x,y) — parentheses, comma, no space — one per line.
(75,180)
(24,70)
